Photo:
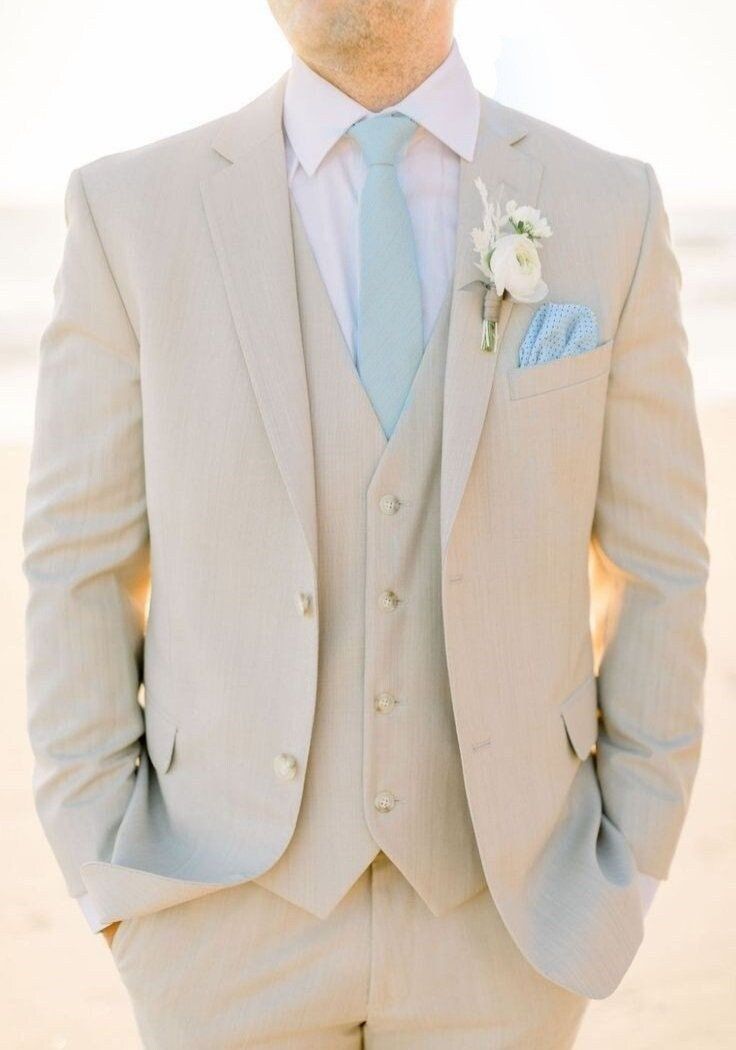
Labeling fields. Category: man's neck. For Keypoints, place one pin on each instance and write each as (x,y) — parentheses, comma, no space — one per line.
(379,81)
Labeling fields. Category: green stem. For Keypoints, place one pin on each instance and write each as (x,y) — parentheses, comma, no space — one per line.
(488,344)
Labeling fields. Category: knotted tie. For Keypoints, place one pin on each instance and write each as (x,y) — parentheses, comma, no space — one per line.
(390,336)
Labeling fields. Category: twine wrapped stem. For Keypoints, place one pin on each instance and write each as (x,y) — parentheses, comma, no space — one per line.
(491,311)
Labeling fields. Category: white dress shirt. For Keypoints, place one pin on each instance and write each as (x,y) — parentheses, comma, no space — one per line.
(326,171)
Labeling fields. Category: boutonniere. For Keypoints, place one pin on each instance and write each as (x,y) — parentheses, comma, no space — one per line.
(508,245)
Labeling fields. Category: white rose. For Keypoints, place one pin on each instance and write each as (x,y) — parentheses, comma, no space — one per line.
(517,270)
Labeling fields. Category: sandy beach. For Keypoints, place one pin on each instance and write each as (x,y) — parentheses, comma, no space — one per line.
(60,989)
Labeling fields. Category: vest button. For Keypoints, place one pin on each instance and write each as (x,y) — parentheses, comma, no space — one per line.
(385,702)
(384,801)
(285,766)
(389,600)
(303,603)
(389,504)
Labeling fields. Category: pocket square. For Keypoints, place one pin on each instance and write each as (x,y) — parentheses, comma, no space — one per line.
(558,330)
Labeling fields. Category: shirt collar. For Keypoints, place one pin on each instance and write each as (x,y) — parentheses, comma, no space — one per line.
(317,114)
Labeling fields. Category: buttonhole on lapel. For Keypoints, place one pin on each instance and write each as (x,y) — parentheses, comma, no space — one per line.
(483,743)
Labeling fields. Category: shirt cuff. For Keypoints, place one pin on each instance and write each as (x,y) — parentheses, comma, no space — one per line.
(648,886)
(90,913)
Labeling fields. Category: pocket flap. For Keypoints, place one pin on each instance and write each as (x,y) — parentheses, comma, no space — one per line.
(160,738)
(580,715)
(560,373)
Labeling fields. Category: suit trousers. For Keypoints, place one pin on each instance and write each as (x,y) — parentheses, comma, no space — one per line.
(243,967)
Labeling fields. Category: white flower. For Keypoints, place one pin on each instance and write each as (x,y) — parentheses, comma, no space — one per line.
(516,268)
(527,221)
(507,245)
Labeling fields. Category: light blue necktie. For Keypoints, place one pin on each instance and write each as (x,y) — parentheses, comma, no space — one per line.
(390,336)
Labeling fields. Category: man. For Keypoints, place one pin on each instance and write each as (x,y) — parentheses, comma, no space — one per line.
(382,790)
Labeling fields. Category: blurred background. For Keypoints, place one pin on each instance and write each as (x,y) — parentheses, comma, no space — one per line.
(653,79)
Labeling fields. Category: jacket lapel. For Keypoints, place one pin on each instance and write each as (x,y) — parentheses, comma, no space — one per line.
(509,174)
(247,208)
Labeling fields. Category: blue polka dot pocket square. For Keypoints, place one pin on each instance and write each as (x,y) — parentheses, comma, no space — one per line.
(558,330)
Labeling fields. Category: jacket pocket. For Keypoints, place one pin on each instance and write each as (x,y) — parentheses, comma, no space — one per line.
(580,715)
(560,373)
(160,738)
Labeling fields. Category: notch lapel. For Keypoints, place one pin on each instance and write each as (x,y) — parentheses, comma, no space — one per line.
(248,211)
(510,174)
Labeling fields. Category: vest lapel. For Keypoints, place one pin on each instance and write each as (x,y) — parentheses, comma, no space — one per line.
(247,207)
(510,174)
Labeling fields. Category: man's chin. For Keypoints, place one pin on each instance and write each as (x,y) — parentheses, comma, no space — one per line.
(321,27)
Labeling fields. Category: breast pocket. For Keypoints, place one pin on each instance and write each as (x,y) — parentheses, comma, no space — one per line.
(560,374)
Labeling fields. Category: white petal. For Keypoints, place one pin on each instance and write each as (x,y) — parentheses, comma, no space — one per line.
(536,295)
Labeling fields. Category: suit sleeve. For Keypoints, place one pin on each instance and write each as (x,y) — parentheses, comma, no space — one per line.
(86,556)
(650,563)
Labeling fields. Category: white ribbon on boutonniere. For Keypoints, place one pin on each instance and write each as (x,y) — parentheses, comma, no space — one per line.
(508,245)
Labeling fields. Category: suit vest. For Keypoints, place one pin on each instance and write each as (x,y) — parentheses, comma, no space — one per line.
(384,770)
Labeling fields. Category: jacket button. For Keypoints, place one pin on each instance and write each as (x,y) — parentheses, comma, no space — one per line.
(388,600)
(304,603)
(389,504)
(384,801)
(285,766)
(385,702)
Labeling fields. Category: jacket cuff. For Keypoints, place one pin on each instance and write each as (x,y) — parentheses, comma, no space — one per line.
(648,886)
(90,912)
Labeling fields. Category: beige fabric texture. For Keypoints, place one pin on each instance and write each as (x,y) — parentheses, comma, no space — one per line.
(174,450)
(244,967)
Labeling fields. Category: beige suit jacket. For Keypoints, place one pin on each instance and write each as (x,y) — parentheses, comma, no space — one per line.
(173,459)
